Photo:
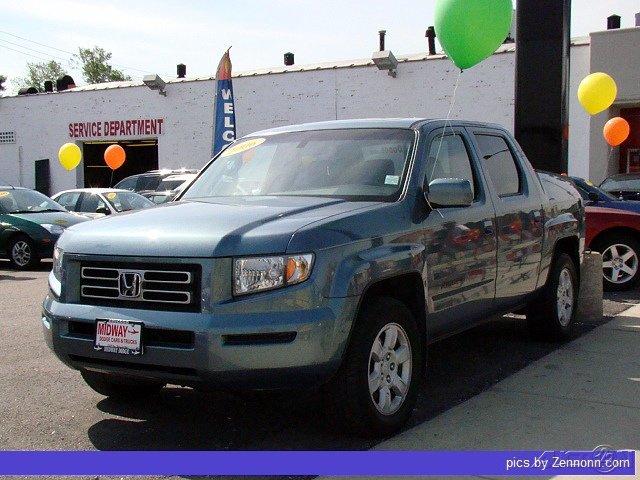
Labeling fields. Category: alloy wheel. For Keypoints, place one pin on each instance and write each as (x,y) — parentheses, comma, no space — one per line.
(619,263)
(565,297)
(389,372)
(21,253)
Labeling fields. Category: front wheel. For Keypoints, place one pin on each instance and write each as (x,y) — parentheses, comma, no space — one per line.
(22,253)
(376,387)
(552,315)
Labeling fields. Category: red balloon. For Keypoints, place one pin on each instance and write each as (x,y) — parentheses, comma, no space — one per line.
(114,156)
(616,131)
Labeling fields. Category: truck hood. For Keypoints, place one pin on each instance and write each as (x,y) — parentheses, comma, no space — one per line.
(222,227)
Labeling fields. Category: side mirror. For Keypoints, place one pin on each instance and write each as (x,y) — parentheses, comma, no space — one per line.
(103,210)
(594,197)
(449,192)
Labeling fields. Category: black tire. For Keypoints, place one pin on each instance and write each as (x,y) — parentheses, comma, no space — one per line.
(18,248)
(625,241)
(122,388)
(544,316)
(350,405)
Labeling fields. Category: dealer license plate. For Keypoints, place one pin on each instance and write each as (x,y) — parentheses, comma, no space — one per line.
(119,336)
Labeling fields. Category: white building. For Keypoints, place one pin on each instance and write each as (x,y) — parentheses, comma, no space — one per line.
(176,130)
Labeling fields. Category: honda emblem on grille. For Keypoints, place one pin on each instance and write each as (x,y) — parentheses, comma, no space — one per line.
(129,284)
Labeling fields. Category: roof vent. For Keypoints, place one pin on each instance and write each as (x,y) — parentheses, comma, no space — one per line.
(181,70)
(288,59)
(613,22)
(431,38)
(65,83)
(28,91)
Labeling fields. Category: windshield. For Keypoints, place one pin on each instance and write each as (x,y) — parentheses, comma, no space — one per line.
(357,164)
(620,184)
(124,201)
(27,201)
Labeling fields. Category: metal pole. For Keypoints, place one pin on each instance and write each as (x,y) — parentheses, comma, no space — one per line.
(542,82)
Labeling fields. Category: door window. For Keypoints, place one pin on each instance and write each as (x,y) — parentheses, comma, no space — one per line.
(500,164)
(90,203)
(449,158)
(69,200)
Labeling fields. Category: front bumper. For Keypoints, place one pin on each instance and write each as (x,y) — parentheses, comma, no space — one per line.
(245,348)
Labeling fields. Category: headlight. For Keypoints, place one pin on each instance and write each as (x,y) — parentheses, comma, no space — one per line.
(56,270)
(53,228)
(257,274)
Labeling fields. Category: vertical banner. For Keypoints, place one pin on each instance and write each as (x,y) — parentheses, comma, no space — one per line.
(224,121)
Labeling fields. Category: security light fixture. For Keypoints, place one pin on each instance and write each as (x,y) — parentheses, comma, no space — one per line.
(154,82)
(384,59)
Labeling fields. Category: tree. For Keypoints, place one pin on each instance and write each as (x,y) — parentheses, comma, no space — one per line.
(95,66)
(37,73)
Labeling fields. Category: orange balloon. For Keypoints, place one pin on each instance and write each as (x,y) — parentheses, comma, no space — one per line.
(114,156)
(616,131)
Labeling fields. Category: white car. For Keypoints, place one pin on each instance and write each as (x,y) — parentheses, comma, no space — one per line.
(98,202)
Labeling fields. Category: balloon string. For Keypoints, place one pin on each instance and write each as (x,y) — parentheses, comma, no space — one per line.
(447,121)
(111,181)
(444,130)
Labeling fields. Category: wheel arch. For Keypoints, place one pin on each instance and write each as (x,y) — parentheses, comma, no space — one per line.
(407,288)
(621,230)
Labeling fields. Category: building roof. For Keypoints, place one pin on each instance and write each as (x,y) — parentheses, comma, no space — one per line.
(361,62)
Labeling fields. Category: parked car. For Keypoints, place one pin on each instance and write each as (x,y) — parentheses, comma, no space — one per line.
(149,181)
(613,229)
(328,254)
(170,187)
(595,196)
(30,224)
(616,234)
(98,202)
(625,186)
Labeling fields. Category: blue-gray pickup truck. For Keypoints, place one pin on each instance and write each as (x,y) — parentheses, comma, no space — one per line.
(322,255)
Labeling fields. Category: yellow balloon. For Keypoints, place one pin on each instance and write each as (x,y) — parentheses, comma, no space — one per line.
(69,155)
(597,92)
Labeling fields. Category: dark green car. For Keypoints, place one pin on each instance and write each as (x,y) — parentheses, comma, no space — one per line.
(30,224)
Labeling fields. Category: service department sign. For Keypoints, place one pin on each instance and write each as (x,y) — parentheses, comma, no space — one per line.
(116,128)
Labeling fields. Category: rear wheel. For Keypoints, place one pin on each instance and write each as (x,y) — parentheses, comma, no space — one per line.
(620,262)
(551,316)
(121,387)
(376,387)
(22,253)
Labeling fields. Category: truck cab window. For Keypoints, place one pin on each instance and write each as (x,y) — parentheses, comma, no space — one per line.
(500,164)
(452,161)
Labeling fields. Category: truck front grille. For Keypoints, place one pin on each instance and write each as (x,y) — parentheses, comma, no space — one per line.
(163,287)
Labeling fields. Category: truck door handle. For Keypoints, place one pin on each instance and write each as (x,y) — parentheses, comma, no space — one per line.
(488,227)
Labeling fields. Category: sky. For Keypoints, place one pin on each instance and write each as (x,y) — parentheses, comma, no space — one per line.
(153,36)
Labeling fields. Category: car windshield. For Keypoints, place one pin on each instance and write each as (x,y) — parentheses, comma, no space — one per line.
(125,201)
(26,201)
(621,184)
(356,164)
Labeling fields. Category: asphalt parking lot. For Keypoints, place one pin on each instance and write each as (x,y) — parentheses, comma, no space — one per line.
(44,405)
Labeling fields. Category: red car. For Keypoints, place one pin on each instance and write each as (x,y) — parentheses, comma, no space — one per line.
(616,234)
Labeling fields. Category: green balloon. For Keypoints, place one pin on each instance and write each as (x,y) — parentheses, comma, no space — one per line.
(471,30)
